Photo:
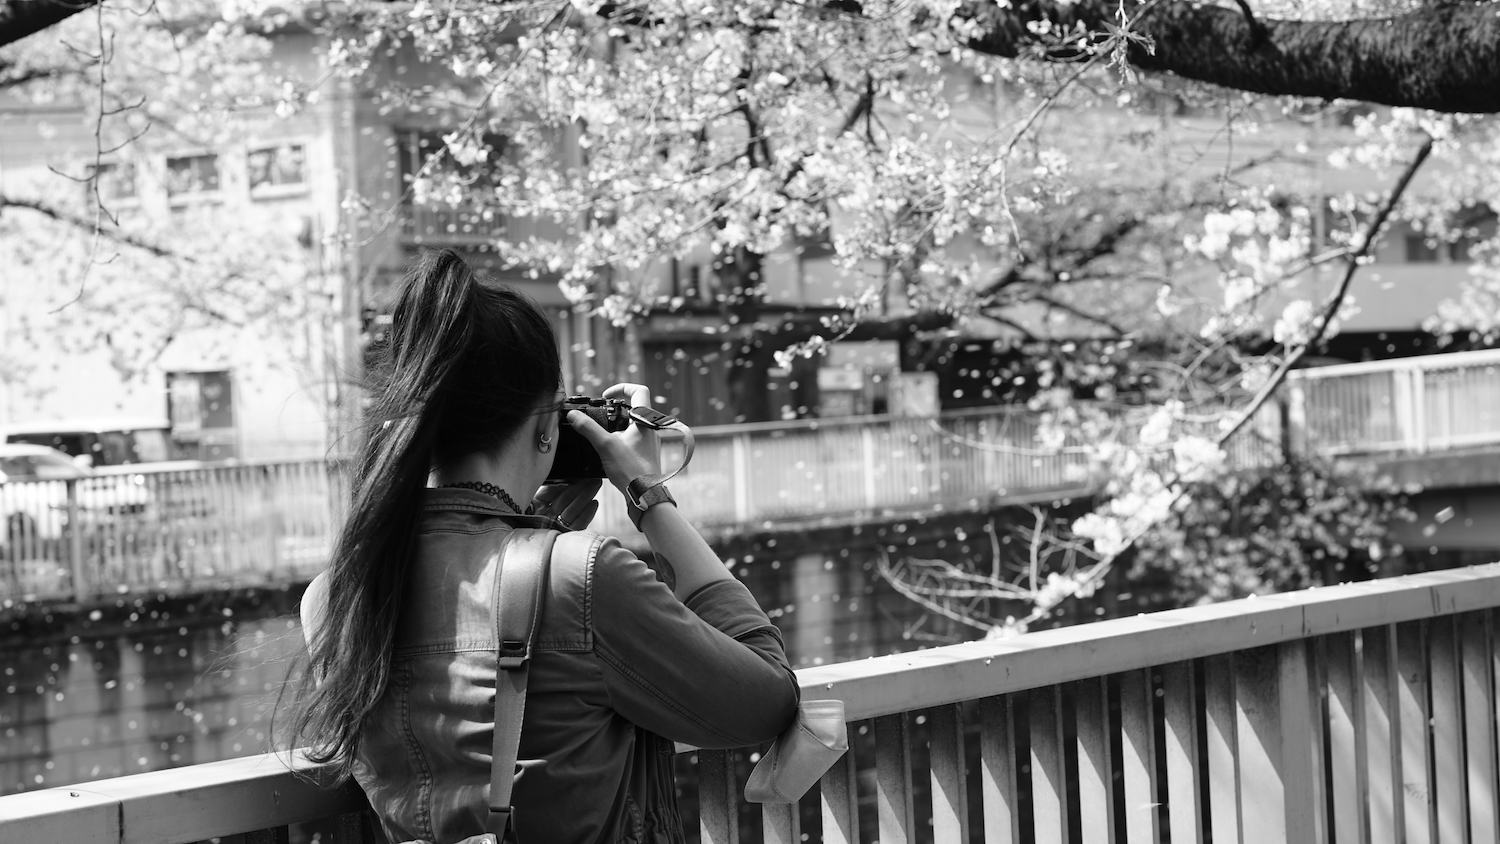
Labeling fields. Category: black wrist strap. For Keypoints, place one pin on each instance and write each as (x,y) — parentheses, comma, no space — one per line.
(646,417)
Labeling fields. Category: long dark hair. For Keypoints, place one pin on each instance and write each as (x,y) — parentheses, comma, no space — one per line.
(464,365)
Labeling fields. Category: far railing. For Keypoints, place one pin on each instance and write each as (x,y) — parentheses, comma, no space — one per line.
(1353,713)
(166,527)
(178,527)
(175,528)
(1409,405)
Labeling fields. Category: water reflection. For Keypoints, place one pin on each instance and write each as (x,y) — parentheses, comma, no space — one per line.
(165,682)
(80,707)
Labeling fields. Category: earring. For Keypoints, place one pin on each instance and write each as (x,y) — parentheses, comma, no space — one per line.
(544,444)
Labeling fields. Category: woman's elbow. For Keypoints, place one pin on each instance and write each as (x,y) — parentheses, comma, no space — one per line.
(773,711)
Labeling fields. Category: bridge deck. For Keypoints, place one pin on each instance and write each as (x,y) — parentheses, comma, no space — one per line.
(1252,708)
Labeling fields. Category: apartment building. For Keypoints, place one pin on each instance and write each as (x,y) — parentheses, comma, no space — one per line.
(333,180)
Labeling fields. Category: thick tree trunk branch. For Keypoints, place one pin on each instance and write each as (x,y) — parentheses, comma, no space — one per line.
(20,18)
(1441,57)
(1444,57)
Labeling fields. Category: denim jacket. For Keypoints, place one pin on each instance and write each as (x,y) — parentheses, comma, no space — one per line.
(621,669)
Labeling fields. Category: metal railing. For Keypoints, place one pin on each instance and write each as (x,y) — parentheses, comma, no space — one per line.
(1360,712)
(168,526)
(174,528)
(1411,405)
(423,223)
(178,527)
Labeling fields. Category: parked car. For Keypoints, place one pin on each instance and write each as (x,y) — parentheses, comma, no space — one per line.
(101,442)
(34,493)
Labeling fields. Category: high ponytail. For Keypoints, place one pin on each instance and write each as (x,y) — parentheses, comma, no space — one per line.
(463,366)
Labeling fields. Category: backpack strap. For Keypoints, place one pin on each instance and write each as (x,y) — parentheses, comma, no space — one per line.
(518,609)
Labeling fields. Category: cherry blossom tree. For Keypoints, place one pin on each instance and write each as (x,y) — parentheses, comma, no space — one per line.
(1022,165)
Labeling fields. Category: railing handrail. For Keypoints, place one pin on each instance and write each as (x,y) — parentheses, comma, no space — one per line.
(239,795)
(818,423)
(178,805)
(704,432)
(1444,360)
(904,682)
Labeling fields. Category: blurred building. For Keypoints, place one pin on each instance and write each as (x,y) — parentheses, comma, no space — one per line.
(344,164)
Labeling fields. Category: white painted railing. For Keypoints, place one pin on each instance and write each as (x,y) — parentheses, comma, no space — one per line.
(178,527)
(421,223)
(1353,713)
(1410,405)
(167,527)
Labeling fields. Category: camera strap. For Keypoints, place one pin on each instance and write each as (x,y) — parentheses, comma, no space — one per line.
(657,421)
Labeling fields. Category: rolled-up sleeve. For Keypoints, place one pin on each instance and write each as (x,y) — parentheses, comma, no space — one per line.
(711,672)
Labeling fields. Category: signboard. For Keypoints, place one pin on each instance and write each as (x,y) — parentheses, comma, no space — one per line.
(200,406)
(184,408)
(840,379)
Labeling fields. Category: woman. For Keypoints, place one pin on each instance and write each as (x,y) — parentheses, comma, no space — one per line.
(401,683)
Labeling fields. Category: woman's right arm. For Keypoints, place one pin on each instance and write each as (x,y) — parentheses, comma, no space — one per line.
(710,671)
(695,660)
(683,556)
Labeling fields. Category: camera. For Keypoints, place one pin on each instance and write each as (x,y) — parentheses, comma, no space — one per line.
(576,458)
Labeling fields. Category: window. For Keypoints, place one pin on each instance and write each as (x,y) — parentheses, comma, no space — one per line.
(275,170)
(116,181)
(191,175)
(1420,250)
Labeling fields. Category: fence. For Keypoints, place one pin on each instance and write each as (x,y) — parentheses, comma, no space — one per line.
(129,528)
(1418,404)
(1354,713)
(175,527)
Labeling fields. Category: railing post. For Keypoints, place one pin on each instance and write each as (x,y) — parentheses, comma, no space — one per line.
(997,760)
(1301,743)
(1138,757)
(718,811)
(1096,805)
(1223,759)
(1479,730)
(742,511)
(893,795)
(1418,395)
(1382,726)
(81,591)
(1295,440)
(1416,720)
(1049,788)
(950,795)
(839,793)
(867,440)
(1180,704)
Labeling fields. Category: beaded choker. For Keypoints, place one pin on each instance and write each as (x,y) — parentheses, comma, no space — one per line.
(491,489)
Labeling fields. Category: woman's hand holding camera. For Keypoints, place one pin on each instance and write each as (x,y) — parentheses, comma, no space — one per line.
(572,504)
(630,453)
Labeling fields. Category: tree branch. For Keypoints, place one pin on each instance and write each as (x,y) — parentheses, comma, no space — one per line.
(88,225)
(1444,57)
(20,18)
(1336,301)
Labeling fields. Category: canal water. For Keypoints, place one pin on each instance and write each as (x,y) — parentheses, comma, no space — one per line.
(148,682)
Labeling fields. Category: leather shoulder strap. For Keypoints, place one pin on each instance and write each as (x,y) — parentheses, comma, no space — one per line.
(518,605)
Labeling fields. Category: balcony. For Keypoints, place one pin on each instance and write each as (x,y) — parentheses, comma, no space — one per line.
(449,225)
(1360,712)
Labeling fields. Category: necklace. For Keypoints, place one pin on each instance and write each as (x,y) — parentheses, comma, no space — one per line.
(491,489)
